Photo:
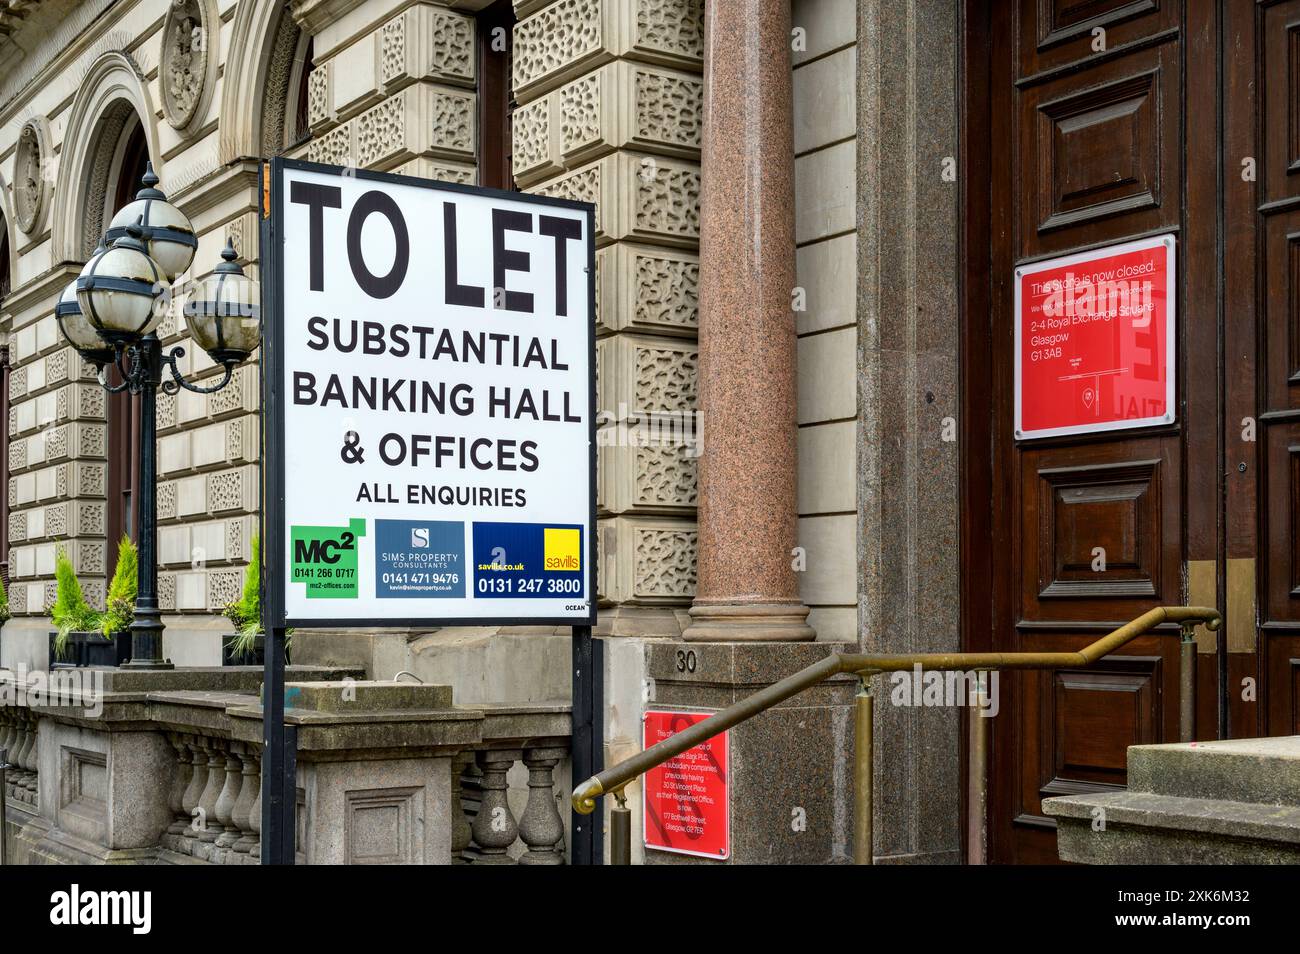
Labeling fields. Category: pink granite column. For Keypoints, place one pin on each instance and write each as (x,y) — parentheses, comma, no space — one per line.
(747,588)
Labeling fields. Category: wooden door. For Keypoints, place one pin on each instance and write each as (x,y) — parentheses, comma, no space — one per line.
(1088,125)
(1262,325)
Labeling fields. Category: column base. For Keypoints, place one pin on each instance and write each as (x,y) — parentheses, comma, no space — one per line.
(749,623)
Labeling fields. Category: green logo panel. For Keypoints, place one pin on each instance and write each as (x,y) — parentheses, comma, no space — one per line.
(325,559)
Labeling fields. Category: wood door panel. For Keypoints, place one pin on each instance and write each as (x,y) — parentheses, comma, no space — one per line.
(1280,101)
(1100,149)
(1280,573)
(1280,249)
(1054,33)
(1099,713)
(1099,529)
(1280,691)
(1072,727)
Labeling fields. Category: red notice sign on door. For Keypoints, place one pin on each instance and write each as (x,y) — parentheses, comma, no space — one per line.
(1095,340)
(686,807)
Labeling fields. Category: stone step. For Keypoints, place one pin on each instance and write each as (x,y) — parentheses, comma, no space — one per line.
(1128,828)
(1230,802)
(1262,771)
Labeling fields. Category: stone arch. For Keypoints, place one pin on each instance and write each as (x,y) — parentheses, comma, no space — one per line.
(113,98)
(266,61)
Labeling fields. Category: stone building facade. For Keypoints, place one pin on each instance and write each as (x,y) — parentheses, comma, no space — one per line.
(596,100)
(603,104)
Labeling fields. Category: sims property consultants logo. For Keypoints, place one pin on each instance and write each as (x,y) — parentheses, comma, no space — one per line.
(75,907)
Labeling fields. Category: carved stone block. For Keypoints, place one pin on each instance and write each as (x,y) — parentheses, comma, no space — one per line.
(643,197)
(420,120)
(647,288)
(647,560)
(423,42)
(642,374)
(565,39)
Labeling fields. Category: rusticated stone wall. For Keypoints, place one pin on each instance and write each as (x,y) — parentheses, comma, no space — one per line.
(610,95)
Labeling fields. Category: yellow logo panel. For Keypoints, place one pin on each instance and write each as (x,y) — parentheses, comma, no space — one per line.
(562,549)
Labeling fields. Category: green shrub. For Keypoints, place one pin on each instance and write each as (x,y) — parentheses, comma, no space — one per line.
(246,612)
(70,613)
(122,590)
(248,608)
(4,601)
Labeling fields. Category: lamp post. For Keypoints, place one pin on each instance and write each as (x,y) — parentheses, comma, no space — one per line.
(110,313)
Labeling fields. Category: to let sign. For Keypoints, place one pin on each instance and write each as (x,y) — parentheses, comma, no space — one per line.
(430,365)
(1095,340)
(686,807)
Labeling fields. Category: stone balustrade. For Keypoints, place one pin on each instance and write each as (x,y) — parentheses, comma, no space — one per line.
(216,798)
(495,821)
(166,768)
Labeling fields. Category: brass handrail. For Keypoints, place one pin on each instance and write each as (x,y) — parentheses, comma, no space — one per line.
(613,780)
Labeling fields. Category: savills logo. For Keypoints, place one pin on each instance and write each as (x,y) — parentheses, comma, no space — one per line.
(77,907)
(562,549)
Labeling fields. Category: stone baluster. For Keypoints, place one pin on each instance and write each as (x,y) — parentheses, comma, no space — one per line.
(494,828)
(461,833)
(7,746)
(27,757)
(255,815)
(210,828)
(180,783)
(226,801)
(249,790)
(540,826)
(9,742)
(194,791)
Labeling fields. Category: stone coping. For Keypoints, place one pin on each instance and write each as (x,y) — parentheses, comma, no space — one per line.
(389,719)
(1243,820)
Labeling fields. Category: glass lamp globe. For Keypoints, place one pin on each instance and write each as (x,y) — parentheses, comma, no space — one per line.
(223,313)
(117,288)
(168,235)
(80,332)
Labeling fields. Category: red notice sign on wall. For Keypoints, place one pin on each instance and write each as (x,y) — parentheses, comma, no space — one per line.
(1095,340)
(686,807)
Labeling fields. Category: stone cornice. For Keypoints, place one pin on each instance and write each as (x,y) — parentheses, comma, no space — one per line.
(40,290)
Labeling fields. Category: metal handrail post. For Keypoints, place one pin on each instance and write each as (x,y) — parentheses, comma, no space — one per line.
(1187,684)
(978,774)
(620,832)
(864,774)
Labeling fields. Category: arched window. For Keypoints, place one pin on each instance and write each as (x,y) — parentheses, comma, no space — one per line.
(125,167)
(284,118)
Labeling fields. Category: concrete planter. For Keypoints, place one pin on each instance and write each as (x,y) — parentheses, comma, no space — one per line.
(93,649)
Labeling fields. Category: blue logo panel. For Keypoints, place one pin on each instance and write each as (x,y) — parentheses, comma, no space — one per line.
(419,559)
(529,561)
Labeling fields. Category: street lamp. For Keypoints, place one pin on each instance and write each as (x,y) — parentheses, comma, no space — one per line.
(110,313)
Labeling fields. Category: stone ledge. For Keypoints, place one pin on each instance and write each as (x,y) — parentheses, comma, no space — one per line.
(1145,828)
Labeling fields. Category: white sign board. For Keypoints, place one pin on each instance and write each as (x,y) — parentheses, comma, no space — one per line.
(430,363)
